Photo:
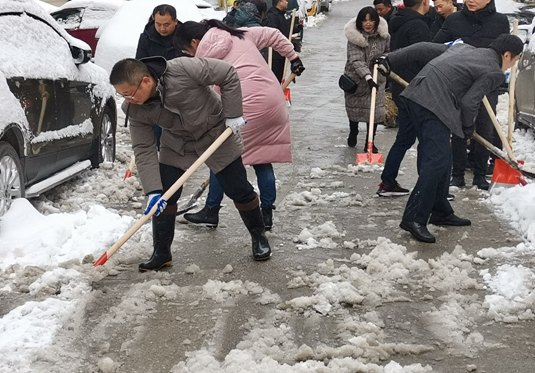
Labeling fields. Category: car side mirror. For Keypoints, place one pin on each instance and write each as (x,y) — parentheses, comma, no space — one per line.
(79,55)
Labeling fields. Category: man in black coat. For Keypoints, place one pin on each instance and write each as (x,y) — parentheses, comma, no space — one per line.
(477,24)
(276,18)
(385,9)
(445,98)
(443,9)
(157,38)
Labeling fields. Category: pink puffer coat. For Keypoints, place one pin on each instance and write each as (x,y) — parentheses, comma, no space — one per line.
(267,134)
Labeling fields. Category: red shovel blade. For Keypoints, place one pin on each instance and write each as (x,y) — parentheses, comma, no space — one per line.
(505,174)
(288,97)
(103,259)
(127,174)
(369,157)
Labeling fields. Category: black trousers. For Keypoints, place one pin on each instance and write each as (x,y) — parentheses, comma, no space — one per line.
(484,128)
(277,66)
(430,194)
(233,180)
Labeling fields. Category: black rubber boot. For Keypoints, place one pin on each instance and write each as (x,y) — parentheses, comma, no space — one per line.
(374,148)
(267,215)
(207,217)
(252,218)
(163,232)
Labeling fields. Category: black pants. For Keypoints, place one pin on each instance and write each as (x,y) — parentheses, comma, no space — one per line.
(405,138)
(430,194)
(485,129)
(277,66)
(233,180)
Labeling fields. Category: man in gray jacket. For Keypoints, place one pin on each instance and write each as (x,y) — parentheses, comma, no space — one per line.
(177,95)
(444,98)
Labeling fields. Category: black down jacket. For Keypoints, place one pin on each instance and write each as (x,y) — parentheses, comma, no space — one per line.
(152,44)
(408,27)
(477,28)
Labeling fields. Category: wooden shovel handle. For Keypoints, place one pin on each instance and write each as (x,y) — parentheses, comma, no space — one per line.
(372,107)
(204,156)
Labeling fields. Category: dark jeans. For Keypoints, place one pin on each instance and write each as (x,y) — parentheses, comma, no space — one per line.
(485,129)
(266,185)
(233,180)
(430,193)
(405,138)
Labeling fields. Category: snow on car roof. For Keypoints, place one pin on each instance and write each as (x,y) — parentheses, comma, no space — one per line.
(119,37)
(105,4)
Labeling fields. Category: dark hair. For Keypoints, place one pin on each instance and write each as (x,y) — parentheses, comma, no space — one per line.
(164,9)
(387,3)
(507,43)
(129,71)
(275,2)
(191,30)
(412,4)
(361,17)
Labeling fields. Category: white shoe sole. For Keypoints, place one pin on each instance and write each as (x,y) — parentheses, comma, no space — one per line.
(393,194)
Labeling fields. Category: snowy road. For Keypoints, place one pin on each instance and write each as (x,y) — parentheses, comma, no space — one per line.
(345,291)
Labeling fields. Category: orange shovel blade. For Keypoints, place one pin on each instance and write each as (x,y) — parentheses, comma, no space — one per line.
(369,157)
(127,174)
(287,94)
(505,174)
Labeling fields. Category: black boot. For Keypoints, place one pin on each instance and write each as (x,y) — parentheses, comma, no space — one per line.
(267,215)
(207,217)
(252,218)
(163,232)
(353,132)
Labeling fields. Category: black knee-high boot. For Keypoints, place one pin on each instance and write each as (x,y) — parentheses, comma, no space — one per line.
(252,218)
(163,232)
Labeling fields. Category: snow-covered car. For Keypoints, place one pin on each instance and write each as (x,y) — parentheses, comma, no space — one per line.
(118,39)
(82,18)
(58,109)
(525,88)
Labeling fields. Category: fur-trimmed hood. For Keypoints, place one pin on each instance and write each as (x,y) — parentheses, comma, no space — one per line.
(356,37)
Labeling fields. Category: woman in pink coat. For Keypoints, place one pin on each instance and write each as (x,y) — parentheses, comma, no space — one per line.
(267,134)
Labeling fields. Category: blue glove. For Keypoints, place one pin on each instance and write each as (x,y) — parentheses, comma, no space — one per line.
(152,200)
(235,124)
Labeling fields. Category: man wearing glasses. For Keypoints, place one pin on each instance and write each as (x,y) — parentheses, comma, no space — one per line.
(177,95)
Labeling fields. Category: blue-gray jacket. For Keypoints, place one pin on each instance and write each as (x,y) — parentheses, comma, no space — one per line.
(452,85)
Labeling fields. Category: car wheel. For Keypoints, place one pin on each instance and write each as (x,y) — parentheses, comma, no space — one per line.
(11,177)
(104,150)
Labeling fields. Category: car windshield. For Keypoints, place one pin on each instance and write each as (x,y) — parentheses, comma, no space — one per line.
(68,16)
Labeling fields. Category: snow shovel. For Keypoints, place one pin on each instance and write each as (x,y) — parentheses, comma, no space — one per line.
(204,156)
(504,175)
(130,168)
(285,88)
(370,157)
(512,162)
(194,197)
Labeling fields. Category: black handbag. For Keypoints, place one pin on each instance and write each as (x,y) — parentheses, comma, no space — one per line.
(347,84)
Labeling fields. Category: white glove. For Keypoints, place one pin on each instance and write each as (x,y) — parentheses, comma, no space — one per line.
(235,124)
(152,199)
